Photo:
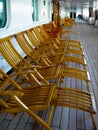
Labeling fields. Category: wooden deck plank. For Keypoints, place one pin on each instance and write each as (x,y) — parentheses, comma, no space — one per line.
(29,126)
(64,119)
(57,117)
(80,120)
(4,125)
(72,119)
(14,122)
(2,117)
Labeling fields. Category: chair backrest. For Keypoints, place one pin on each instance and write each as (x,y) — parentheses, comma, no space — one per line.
(39,35)
(44,32)
(32,37)
(33,55)
(9,53)
(16,61)
(37,43)
(25,45)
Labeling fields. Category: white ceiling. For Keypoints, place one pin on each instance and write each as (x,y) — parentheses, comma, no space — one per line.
(74,4)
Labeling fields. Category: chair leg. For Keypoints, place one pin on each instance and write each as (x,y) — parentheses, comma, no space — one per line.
(93,121)
(50,115)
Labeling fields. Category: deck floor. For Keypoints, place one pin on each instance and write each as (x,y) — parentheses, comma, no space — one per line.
(65,118)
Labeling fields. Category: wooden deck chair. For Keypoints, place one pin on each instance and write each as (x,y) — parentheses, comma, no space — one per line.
(67,33)
(32,53)
(32,39)
(15,99)
(72,22)
(37,43)
(44,59)
(54,29)
(59,35)
(42,73)
(50,43)
(51,47)
(67,22)
(21,59)
(61,72)
(71,44)
(61,44)
(42,35)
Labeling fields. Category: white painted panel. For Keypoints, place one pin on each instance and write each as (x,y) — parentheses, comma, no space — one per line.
(21,12)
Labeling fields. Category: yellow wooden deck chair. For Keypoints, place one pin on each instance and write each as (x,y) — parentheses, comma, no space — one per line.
(15,99)
(51,44)
(34,41)
(71,44)
(41,34)
(31,53)
(32,38)
(67,22)
(76,44)
(61,44)
(44,59)
(37,44)
(59,36)
(71,21)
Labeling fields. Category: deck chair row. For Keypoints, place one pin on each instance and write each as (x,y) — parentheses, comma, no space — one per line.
(16,62)
(37,71)
(68,22)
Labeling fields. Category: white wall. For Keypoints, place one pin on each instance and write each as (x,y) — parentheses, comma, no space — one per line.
(86,13)
(21,12)
(20,16)
(43,10)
